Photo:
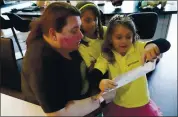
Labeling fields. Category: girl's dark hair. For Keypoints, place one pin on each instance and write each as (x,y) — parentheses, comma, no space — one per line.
(54,16)
(117,20)
(91,6)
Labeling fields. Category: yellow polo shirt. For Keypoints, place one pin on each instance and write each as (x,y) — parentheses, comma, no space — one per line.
(91,52)
(134,94)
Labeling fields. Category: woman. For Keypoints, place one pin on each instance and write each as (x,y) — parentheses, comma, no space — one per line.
(52,68)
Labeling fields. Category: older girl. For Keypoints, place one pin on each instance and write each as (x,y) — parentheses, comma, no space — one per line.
(93,31)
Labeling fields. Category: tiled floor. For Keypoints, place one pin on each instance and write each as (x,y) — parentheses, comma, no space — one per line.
(163,81)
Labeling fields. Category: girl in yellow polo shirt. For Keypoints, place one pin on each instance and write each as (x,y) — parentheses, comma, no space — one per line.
(122,52)
(93,31)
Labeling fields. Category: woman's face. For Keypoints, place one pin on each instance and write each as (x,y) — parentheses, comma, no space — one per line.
(71,35)
(89,21)
(122,39)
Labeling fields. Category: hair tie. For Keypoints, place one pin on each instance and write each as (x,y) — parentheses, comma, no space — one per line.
(86,5)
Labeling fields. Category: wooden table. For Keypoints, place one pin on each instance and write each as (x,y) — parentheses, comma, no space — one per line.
(11,106)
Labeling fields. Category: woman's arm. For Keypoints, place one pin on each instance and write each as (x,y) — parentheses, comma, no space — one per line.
(154,48)
(85,106)
(77,108)
(96,74)
(162,44)
(94,77)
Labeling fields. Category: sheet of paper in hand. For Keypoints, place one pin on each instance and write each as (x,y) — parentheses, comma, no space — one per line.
(132,75)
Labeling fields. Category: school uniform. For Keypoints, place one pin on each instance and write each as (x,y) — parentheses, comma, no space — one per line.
(134,94)
(132,98)
(93,50)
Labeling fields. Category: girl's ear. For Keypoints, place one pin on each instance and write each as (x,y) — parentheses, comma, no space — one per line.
(136,37)
(110,41)
(133,39)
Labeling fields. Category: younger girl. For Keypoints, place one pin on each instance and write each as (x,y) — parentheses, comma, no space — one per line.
(122,52)
(93,31)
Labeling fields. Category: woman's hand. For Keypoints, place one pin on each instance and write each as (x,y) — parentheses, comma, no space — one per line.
(151,52)
(107,84)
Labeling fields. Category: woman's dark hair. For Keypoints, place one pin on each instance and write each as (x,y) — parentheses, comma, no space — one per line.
(83,6)
(115,21)
(54,16)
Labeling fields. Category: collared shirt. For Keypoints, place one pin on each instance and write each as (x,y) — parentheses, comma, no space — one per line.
(93,50)
(134,94)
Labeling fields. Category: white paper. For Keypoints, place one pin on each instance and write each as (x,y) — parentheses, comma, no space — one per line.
(134,74)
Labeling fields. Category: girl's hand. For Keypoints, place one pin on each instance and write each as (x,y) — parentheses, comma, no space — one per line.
(151,52)
(109,96)
(107,84)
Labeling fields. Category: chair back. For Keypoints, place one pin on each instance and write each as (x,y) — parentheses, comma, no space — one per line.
(102,18)
(146,23)
(19,23)
(10,75)
(5,24)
